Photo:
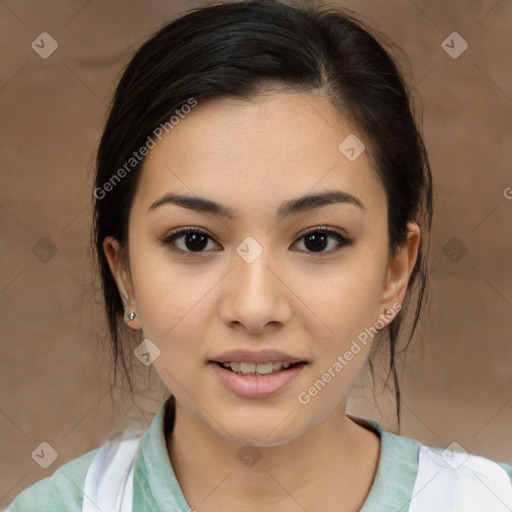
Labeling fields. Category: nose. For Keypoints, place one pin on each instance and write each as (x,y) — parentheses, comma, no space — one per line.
(255,295)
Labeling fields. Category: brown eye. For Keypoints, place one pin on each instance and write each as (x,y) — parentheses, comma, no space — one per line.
(194,240)
(317,239)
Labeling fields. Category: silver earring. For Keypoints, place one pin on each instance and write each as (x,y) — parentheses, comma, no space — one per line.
(130,316)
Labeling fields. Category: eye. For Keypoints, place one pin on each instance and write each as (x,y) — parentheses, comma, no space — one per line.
(317,239)
(194,240)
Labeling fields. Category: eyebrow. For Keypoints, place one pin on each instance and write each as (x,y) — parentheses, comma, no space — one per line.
(293,206)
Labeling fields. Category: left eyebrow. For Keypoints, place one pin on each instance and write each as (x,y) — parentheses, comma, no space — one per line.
(293,206)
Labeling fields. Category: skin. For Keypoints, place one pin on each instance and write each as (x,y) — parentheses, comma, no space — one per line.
(252,156)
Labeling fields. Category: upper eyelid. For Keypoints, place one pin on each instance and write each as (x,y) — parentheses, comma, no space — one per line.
(185,229)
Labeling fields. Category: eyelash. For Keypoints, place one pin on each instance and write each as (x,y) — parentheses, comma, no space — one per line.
(342,240)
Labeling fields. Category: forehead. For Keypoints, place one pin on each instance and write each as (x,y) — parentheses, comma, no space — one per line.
(255,154)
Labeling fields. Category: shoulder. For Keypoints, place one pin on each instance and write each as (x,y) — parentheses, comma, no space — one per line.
(452,475)
(407,452)
(396,471)
(415,455)
(60,492)
(415,477)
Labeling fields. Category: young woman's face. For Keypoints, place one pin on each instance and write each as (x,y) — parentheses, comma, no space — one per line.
(254,283)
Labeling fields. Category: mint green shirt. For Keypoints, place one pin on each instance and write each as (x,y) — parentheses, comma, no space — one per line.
(156,489)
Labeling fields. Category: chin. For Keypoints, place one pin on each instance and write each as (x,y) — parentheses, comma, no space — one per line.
(260,429)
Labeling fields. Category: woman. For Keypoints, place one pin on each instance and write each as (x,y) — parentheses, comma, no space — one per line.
(261,202)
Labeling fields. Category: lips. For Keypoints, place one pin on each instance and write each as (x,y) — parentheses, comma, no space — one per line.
(260,374)
(256,386)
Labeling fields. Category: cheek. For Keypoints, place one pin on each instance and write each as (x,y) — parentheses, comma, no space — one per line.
(169,296)
(173,308)
(345,303)
(347,308)
(170,303)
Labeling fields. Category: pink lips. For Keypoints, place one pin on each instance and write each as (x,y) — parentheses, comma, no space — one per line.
(256,386)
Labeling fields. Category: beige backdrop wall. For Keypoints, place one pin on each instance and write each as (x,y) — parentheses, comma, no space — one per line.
(457,384)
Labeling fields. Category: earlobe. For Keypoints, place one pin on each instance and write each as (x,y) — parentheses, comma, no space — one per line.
(112,250)
(400,268)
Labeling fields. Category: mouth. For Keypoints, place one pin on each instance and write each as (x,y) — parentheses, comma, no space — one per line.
(257,374)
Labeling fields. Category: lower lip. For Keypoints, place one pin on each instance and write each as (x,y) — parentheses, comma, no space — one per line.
(260,386)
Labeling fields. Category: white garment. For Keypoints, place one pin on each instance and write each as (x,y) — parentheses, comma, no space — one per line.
(108,483)
(454,481)
(446,481)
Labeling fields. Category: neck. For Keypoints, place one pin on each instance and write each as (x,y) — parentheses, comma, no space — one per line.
(335,460)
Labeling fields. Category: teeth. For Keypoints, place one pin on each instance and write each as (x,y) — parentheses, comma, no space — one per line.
(260,368)
(235,367)
(247,367)
(264,368)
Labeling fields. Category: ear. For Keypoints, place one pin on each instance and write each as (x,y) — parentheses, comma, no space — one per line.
(121,274)
(399,271)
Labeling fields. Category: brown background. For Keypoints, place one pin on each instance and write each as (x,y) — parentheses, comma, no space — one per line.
(54,367)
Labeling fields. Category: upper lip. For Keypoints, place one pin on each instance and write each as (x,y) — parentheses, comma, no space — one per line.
(262,356)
